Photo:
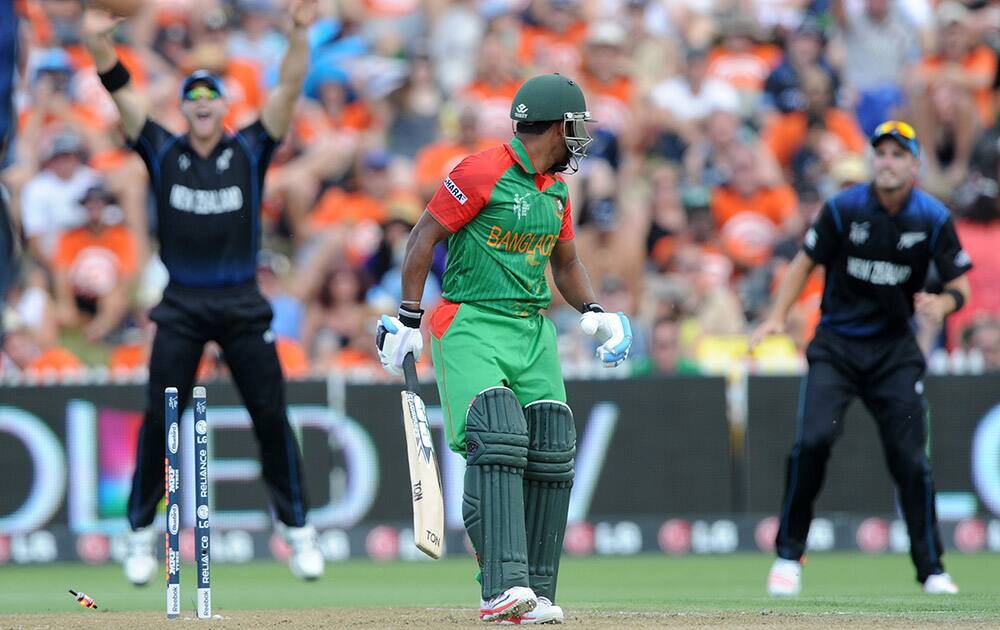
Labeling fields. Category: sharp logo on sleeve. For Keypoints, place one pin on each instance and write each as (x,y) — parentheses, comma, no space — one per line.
(455,191)
(811,238)
(909,239)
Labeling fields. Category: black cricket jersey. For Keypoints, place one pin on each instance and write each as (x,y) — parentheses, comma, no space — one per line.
(208,209)
(875,262)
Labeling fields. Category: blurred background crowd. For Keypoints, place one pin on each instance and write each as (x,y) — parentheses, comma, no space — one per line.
(722,127)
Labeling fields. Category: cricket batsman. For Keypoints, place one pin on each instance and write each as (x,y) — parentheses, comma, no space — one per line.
(506,213)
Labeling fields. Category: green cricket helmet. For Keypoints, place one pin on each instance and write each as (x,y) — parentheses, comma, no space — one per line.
(553,97)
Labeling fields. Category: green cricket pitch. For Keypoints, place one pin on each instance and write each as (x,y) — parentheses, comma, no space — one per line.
(840,590)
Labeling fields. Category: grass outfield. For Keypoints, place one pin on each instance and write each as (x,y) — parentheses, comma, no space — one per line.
(727,591)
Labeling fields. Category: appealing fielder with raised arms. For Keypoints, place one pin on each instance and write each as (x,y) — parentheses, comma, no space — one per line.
(506,213)
(207,185)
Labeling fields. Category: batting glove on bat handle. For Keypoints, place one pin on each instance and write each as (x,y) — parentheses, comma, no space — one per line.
(613,330)
(395,340)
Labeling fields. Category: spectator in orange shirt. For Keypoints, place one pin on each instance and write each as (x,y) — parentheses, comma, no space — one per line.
(749,215)
(787,133)
(437,159)
(608,87)
(368,202)
(556,44)
(94,265)
(742,62)
(22,352)
(497,79)
(951,97)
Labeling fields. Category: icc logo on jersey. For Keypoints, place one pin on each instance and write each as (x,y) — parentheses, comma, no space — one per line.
(521,205)
(859,232)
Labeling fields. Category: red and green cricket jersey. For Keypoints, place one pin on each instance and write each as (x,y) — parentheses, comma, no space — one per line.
(505,219)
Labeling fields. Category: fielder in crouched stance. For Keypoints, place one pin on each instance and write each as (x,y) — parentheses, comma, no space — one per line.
(505,213)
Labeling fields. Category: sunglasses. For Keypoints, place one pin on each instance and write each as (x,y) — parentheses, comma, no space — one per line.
(896,126)
(201,92)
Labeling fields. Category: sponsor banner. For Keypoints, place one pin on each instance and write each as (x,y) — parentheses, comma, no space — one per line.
(650,452)
(964,449)
(384,542)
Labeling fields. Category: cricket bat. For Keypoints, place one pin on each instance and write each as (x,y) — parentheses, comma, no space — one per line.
(425,478)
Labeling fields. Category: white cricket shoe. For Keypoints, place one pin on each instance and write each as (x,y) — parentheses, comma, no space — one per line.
(306,561)
(785,578)
(940,584)
(513,602)
(544,612)
(140,560)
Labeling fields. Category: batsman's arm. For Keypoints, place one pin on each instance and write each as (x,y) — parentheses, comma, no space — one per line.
(419,255)
(570,275)
(280,105)
(97,29)
(791,287)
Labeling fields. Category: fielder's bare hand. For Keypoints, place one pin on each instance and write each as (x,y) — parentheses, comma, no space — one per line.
(303,12)
(770,326)
(98,24)
(931,306)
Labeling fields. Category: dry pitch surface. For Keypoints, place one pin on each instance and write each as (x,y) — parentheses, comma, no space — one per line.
(454,618)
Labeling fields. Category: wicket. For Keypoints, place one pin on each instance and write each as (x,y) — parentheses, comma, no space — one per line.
(202,531)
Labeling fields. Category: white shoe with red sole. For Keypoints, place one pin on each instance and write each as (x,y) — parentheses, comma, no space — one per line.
(513,602)
(544,612)
(785,578)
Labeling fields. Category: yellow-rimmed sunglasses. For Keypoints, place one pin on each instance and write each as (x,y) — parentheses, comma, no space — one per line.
(896,126)
(902,131)
(201,92)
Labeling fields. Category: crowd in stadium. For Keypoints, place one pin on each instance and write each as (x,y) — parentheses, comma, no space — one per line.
(722,127)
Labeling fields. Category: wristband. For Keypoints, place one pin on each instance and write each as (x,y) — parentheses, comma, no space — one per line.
(592,307)
(116,78)
(958,297)
(410,317)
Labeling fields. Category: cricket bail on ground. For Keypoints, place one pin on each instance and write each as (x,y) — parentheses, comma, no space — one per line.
(202,531)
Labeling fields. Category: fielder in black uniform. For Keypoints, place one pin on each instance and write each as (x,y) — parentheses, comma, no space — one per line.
(876,242)
(8,233)
(207,185)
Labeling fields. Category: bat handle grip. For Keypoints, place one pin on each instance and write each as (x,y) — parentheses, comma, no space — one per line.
(410,372)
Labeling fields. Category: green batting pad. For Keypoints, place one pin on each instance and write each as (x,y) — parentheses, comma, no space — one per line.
(493,504)
(548,481)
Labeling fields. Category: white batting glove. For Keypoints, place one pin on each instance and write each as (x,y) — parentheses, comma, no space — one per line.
(395,338)
(612,330)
